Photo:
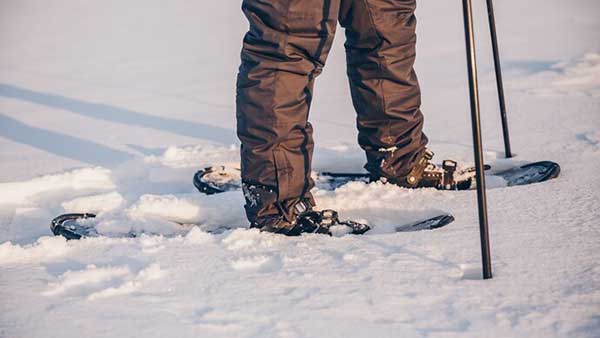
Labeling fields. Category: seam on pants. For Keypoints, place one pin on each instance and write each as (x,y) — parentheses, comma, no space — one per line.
(324,35)
(380,62)
(282,183)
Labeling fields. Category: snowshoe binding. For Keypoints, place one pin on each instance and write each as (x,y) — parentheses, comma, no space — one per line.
(426,174)
(307,220)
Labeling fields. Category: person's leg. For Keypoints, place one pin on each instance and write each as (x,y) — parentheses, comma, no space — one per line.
(284,50)
(380,52)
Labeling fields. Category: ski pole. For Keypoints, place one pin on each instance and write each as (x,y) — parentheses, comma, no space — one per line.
(499,82)
(478,149)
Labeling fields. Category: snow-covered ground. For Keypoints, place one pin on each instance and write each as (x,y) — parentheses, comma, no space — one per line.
(110,106)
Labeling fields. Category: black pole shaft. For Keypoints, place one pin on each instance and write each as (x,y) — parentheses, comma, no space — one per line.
(499,82)
(476,127)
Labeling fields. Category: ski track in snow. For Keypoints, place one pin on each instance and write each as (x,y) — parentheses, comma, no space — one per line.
(95,125)
(576,78)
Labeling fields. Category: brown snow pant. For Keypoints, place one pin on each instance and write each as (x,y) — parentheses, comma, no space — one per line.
(283,52)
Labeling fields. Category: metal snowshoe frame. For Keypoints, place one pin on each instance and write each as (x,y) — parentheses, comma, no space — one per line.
(67,225)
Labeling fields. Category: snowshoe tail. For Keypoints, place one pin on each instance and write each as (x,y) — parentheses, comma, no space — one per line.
(215,180)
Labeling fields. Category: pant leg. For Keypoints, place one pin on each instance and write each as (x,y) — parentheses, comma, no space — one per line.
(380,53)
(283,51)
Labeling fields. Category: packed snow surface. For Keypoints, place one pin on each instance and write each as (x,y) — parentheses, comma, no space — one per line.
(110,107)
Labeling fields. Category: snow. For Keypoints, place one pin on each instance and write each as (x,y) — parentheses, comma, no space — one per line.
(22,193)
(574,78)
(110,107)
(83,278)
(94,204)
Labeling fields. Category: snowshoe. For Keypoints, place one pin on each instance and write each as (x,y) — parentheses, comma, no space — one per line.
(78,226)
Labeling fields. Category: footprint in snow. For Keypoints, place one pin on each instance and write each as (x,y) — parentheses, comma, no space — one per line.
(257,263)
(590,138)
(95,282)
(470,272)
(245,240)
(232,322)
